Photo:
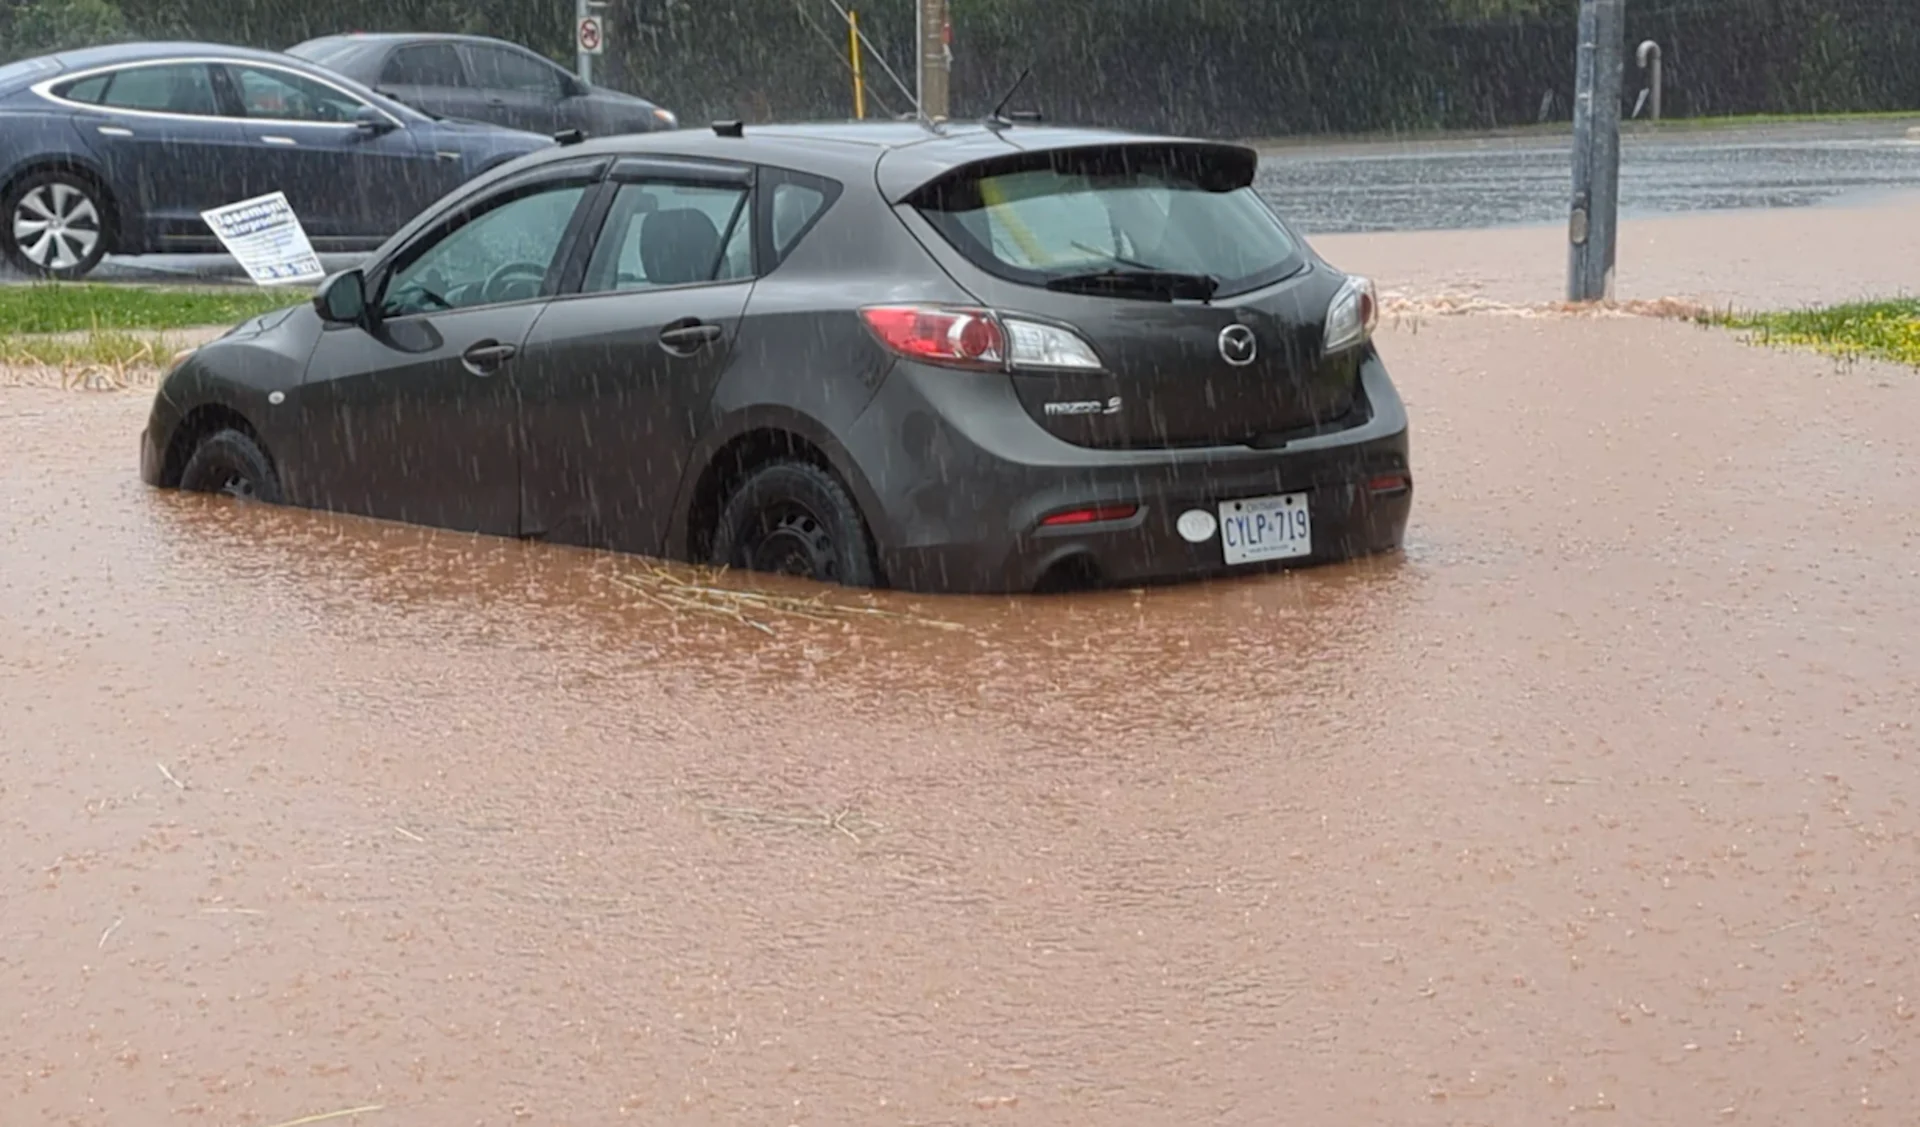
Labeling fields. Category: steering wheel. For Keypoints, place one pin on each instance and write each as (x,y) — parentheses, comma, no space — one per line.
(495,289)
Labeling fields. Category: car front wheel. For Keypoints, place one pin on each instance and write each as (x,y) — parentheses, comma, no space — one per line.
(229,461)
(56,226)
(794,518)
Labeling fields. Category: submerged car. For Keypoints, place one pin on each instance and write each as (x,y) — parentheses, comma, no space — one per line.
(483,79)
(960,358)
(119,149)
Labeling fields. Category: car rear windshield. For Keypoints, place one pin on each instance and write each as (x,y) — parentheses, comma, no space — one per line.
(1178,211)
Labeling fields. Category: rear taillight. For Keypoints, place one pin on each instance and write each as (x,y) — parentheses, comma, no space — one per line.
(977,339)
(958,338)
(1352,314)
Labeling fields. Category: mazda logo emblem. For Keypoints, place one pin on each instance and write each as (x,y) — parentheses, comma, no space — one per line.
(1238,346)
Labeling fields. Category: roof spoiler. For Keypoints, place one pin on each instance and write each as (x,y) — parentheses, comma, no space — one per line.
(1215,166)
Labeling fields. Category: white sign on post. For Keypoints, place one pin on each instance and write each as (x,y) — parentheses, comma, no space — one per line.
(265,236)
(592,35)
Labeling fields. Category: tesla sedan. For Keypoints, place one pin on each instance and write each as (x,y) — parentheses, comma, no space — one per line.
(119,149)
(965,358)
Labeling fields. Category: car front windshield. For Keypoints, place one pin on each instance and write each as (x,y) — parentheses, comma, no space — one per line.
(1036,225)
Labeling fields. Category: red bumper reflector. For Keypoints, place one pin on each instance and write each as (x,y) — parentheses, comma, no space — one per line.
(1389,483)
(1090,516)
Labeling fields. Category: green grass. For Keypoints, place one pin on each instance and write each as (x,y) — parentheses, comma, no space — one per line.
(94,308)
(1884,330)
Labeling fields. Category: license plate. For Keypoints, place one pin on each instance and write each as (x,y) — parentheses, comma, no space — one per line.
(1258,529)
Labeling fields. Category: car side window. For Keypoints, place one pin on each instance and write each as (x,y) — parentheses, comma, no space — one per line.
(794,206)
(86,90)
(183,88)
(284,96)
(660,233)
(429,64)
(501,255)
(496,68)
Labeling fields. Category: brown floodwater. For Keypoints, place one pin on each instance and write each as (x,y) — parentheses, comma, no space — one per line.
(1597,805)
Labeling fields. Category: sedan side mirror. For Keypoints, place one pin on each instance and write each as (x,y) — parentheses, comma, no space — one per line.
(342,299)
(371,122)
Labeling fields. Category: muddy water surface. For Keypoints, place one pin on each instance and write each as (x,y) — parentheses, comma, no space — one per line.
(1598,805)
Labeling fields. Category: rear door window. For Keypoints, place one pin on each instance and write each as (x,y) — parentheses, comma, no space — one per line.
(183,88)
(496,68)
(659,233)
(429,64)
(1104,211)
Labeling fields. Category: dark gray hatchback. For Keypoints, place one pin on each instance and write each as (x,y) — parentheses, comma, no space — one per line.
(945,358)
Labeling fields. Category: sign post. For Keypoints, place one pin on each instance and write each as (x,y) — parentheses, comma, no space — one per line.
(1593,227)
(589,35)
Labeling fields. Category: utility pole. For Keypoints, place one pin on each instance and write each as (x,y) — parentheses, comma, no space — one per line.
(1594,226)
(932,33)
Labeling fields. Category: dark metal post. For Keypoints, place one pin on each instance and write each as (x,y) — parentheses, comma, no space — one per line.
(1594,224)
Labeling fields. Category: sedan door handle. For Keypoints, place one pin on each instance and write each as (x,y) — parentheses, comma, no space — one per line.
(686,337)
(485,358)
(115,131)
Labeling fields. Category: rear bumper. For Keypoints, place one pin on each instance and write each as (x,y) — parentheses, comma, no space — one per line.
(961,477)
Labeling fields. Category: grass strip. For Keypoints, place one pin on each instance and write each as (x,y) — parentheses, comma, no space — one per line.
(76,307)
(1882,330)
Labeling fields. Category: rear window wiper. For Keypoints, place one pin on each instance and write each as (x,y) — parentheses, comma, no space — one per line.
(1164,284)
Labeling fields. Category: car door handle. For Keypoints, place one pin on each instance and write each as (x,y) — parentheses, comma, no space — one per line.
(276,139)
(687,337)
(485,358)
(115,131)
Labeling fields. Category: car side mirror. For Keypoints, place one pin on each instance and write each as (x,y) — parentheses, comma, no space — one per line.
(371,122)
(342,299)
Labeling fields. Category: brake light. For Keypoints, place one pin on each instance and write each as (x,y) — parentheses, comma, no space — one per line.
(979,339)
(960,338)
(1090,516)
(1352,314)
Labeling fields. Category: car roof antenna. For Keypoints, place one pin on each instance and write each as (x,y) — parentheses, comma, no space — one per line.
(998,118)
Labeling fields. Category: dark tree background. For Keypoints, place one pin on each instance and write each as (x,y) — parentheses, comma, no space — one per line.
(1218,67)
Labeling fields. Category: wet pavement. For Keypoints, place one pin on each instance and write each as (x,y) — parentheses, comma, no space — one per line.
(1596,805)
(1334,188)
(1517,181)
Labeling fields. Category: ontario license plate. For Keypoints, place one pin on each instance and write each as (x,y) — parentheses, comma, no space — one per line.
(1259,529)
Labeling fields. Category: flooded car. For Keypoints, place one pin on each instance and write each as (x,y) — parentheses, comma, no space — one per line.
(974,358)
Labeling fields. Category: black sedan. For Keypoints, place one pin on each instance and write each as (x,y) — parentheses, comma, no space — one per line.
(483,79)
(119,149)
(941,357)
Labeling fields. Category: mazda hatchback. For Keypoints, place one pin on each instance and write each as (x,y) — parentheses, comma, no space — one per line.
(945,357)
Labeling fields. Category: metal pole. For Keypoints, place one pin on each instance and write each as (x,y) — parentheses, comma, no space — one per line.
(1594,224)
(930,32)
(583,61)
(859,80)
(1649,57)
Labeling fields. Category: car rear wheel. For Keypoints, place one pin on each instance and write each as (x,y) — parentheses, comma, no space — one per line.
(229,461)
(55,225)
(794,518)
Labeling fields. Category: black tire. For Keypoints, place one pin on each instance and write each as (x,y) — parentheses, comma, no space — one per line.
(794,518)
(229,461)
(71,212)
